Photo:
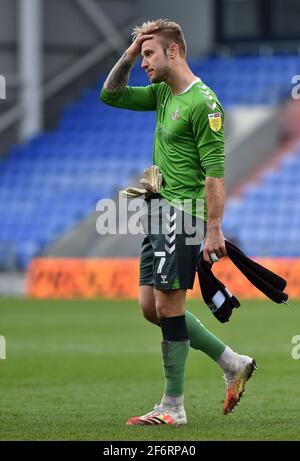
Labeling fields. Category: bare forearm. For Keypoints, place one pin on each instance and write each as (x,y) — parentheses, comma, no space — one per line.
(119,75)
(215,196)
(214,239)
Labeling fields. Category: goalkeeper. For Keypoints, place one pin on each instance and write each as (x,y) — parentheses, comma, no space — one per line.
(188,163)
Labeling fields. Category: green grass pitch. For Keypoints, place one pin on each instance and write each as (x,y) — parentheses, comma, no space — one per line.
(77,370)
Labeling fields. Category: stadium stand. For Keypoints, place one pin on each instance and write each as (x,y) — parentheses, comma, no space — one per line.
(265,220)
(52,182)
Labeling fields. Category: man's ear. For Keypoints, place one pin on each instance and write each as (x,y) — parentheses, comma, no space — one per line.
(173,50)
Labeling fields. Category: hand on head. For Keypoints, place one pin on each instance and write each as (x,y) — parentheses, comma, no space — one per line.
(135,48)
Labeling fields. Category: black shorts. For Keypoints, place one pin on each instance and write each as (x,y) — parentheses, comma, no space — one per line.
(171,246)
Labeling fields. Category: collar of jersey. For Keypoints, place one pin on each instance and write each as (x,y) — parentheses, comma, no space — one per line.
(190,86)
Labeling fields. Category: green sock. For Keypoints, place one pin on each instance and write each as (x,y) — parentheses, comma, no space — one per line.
(202,339)
(174,354)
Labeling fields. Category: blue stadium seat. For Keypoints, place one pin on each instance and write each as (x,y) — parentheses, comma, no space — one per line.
(266,219)
(54,180)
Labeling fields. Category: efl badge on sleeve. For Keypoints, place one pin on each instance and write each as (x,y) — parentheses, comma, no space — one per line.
(215,121)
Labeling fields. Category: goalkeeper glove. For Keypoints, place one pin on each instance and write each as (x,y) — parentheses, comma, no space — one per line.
(152,183)
(131,192)
(152,180)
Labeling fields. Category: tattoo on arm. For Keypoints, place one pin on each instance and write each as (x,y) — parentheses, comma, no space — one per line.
(119,75)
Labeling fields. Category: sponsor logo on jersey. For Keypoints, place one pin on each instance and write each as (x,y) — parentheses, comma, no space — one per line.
(176,115)
(215,121)
(164,279)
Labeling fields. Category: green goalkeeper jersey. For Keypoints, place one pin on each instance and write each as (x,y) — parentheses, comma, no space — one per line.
(189,136)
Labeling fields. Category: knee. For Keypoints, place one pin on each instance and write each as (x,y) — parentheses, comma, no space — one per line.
(169,303)
(148,312)
(163,309)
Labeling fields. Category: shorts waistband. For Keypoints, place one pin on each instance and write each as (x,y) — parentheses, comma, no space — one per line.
(153,196)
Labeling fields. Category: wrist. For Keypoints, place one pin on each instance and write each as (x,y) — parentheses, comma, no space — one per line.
(213,226)
(129,58)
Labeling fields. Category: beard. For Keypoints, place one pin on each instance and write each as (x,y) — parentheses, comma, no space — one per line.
(159,76)
(157,79)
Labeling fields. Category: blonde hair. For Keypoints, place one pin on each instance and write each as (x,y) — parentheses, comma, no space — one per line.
(169,31)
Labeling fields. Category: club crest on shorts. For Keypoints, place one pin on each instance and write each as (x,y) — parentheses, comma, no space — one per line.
(176,115)
(215,121)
